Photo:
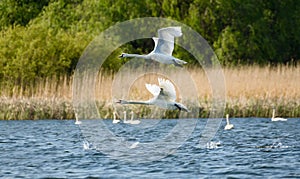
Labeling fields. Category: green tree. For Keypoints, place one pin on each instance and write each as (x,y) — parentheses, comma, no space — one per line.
(20,12)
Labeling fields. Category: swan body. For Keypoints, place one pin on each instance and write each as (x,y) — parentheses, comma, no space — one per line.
(77,120)
(228,125)
(115,120)
(134,145)
(277,118)
(163,49)
(213,145)
(133,121)
(164,96)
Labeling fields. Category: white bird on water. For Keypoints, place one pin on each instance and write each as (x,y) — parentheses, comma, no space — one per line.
(125,118)
(77,120)
(277,118)
(164,96)
(164,46)
(228,125)
(115,120)
(133,121)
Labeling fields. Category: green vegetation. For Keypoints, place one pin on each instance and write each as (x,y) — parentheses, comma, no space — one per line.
(44,38)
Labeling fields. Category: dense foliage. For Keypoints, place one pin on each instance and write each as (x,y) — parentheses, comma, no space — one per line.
(46,38)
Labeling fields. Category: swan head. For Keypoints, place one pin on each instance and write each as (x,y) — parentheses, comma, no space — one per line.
(123,55)
(181,107)
(120,101)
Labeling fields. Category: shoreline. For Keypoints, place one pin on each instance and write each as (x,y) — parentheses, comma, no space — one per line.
(35,109)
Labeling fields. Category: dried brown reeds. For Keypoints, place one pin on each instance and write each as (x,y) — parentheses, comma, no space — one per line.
(250,91)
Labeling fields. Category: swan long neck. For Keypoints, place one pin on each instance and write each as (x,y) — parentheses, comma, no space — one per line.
(273,114)
(137,56)
(227,119)
(136,102)
(125,116)
(132,116)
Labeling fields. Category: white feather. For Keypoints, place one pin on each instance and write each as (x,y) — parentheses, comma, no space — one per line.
(153,89)
(165,42)
(168,88)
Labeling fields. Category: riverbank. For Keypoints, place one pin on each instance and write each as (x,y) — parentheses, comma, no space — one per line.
(250,92)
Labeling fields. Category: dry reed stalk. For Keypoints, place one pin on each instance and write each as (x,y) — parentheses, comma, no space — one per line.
(250,91)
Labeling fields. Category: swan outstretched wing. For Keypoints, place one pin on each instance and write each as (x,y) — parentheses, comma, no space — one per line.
(168,89)
(153,89)
(165,41)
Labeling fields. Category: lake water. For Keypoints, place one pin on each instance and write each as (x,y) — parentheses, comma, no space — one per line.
(255,148)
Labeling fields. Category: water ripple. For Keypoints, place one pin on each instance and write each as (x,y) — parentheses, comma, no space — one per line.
(56,149)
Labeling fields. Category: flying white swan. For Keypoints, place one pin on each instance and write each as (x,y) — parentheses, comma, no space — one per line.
(133,121)
(77,120)
(228,125)
(277,118)
(125,118)
(164,46)
(115,121)
(164,96)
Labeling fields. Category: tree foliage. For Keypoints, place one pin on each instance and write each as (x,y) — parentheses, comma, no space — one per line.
(46,38)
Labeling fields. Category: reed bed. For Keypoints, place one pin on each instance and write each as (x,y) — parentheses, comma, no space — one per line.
(251,91)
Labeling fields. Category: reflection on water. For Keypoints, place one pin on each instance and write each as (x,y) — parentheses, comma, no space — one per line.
(56,148)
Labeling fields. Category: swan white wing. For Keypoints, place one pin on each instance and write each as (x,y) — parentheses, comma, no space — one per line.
(165,42)
(168,88)
(153,89)
(163,46)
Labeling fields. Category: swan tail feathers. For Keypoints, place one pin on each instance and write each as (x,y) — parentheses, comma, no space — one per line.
(179,63)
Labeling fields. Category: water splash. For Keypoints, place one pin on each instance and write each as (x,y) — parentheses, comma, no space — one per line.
(87,145)
(275,145)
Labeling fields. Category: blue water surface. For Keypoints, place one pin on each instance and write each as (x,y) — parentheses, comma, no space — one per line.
(255,148)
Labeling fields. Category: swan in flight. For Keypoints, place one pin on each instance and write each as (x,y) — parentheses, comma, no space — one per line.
(228,125)
(77,120)
(164,46)
(115,121)
(164,96)
(277,118)
(133,121)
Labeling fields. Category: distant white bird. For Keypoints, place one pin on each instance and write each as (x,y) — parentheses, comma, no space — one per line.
(164,96)
(133,121)
(164,46)
(213,145)
(134,145)
(115,121)
(77,120)
(125,118)
(277,118)
(228,125)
